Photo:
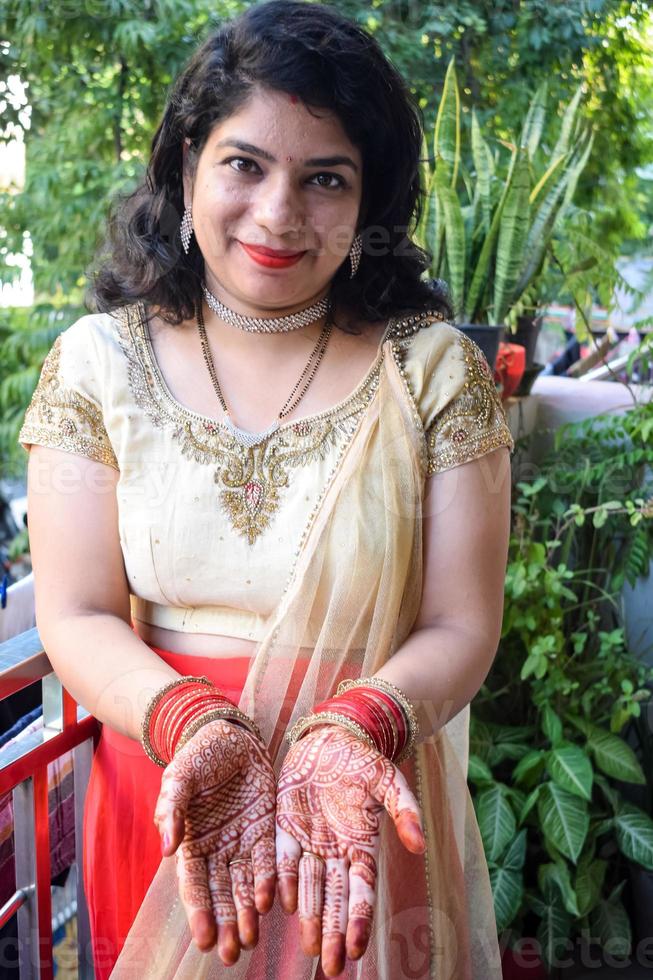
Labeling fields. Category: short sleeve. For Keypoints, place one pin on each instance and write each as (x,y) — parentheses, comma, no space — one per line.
(458,401)
(65,411)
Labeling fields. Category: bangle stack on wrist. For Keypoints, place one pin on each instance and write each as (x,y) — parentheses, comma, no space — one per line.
(179,709)
(371,708)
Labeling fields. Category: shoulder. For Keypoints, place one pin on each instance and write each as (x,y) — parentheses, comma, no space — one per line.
(66,410)
(93,333)
(437,359)
(453,387)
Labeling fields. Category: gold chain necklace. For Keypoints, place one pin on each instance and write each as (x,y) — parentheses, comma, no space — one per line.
(249,439)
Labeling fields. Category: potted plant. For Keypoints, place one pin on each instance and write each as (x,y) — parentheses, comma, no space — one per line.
(489,234)
(549,757)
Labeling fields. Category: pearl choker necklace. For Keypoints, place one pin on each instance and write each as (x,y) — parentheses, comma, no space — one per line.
(264,324)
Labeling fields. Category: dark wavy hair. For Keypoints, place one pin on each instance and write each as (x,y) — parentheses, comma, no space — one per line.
(311,51)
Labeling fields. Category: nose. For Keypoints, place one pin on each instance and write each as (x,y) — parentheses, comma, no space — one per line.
(277,206)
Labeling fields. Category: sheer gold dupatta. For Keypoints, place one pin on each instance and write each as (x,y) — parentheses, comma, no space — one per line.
(350,603)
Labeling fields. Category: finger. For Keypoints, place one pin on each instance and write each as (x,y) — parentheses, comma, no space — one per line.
(312,870)
(395,795)
(265,873)
(334,917)
(224,909)
(242,889)
(288,852)
(196,898)
(177,788)
(362,899)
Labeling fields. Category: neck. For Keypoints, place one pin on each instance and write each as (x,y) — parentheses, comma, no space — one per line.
(228,315)
(249,308)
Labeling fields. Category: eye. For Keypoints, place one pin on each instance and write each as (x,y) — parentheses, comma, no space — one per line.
(244,165)
(244,160)
(340,181)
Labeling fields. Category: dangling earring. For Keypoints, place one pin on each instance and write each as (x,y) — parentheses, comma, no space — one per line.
(355,253)
(186,229)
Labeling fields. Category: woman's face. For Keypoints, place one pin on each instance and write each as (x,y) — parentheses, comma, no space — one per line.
(275,176)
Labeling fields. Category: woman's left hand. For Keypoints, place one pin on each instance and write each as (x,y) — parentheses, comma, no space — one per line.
(331,794)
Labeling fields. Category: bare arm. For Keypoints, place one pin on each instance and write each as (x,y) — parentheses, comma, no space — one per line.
(446,658)
(82,594)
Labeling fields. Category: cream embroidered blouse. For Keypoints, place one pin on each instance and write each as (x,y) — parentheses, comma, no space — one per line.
(208,528)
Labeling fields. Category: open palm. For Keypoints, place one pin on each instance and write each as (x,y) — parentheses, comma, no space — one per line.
(216,811)
(333,790)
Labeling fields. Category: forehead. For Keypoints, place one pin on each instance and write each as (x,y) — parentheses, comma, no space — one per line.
(278,121)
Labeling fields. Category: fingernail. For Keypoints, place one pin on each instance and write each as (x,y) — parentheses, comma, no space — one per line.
(310,934)
(333,955)
(411,823)
(165,843)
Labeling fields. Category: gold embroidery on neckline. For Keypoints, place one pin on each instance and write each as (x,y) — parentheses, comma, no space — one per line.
(251,479)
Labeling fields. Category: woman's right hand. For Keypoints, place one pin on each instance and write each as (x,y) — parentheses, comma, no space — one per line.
(216,810)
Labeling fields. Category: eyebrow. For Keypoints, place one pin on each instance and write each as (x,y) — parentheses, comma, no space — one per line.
(334,161)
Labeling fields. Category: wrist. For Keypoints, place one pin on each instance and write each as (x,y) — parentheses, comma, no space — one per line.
(179,709)
(374,710)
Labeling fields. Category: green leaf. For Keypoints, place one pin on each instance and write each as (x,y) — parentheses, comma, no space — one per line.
(589,882)
(553,931)
(551,725)
(512,734)
(564,818)
(615,757)
(579,163)
(507,892)
(515,856)
(539,238)
(586,727)
(531,800)
(534,121)
(480,739)
(446,138)
(566,130)
(484,166)
(609,922)
(513,234)
(570,768)
(634,830)
(496,821)
(600,517)
(529,768)
(610,793)
(556,875)
(478,771)
(481,273)
(454,238)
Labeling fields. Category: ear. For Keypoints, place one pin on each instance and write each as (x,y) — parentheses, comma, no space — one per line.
(187,150)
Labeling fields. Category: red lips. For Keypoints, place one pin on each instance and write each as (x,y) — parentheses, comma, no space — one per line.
(271,258)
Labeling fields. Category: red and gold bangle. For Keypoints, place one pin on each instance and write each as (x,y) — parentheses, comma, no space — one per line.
(181,707)
(398,698)
(374,710)
(229,712)
(156,705)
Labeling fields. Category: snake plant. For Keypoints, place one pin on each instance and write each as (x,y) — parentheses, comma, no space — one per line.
(489,234)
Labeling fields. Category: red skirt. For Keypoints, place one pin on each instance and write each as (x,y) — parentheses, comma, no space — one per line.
(122,847)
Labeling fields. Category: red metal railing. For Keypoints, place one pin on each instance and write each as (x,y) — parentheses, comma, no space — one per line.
(24,772)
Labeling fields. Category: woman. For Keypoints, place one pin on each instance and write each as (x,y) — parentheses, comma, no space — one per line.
(288,471)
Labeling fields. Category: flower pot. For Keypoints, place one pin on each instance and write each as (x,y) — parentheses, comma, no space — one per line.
(528,330)
(523,962)
(509,369)
(641,883)
(487,336)
(528,380)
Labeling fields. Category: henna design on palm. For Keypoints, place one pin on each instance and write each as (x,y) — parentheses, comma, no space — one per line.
(332,792)
(217,806)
